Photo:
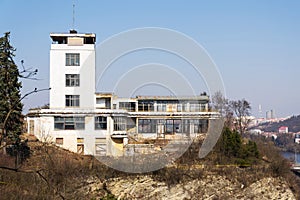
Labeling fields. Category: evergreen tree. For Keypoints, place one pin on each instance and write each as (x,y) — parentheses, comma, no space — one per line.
(10,97)
(232,149)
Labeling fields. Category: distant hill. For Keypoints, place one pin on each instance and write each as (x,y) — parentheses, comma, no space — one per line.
(293,123)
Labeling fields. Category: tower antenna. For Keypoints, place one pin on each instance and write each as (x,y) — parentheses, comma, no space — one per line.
(73,23)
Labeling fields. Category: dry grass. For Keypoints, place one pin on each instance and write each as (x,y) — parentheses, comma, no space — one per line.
(54,173)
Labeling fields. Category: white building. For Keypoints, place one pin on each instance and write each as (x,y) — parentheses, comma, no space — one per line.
(83,121)
(283,129)
(297,138)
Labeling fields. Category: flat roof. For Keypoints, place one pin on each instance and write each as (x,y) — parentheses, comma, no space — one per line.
(172,97)
(63,38)
(72,35)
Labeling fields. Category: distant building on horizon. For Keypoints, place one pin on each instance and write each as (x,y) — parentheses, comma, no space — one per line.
(297,138)
(283,129)
(270,114)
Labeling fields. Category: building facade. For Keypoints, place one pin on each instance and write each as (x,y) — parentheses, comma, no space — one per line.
(81,120)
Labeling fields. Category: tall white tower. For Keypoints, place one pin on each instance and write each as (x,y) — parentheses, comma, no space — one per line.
(72,70)
(260,111)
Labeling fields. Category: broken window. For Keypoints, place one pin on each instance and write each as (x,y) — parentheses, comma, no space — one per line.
(31,126)
(80,149)
(72,59)
(59,141)
(120,123)
(80,146)
(100,123)
(72,80)
(100,146)
(72,100)
(147,125)
(131,123)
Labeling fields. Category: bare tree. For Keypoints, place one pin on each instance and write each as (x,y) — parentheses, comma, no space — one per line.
(241,110)
(221,104)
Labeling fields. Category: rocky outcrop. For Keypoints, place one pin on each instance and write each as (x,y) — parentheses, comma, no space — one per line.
(208,187)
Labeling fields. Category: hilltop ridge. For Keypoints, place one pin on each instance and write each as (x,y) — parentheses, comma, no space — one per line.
(293,123)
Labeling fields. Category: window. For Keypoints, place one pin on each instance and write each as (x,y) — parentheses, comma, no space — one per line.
(145,106)
(72,59)
(119,124)
(72,80)
(130,123)
(179,107)
(103,103)
(203,107)
(186,126)
(100,123)
(192,107)
(80,149)
(100,146)
(169,126)
(147,125)
(80,140)
(129,106)
(185,107)
(72,100)
(200,126)
(80,146)
(59,141)
(31,126)
(69,123)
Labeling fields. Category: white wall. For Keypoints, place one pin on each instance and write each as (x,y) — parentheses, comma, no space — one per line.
(44,131)
(58,71)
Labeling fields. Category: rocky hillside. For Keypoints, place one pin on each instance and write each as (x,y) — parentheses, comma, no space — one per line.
(207,187)
(54,173)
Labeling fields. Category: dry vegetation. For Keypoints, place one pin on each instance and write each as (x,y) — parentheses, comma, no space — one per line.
(54,173)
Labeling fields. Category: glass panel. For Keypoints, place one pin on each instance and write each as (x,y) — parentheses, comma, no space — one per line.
(72,59)
(59,126)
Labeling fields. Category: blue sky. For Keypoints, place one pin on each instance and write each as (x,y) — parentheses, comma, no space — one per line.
(255,44)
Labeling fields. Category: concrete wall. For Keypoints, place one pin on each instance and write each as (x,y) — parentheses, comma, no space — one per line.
(58,70)
(44,131)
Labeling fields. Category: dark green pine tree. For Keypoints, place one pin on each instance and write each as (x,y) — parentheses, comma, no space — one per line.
(10,97)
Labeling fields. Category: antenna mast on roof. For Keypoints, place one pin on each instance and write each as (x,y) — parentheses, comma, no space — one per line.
(73,23)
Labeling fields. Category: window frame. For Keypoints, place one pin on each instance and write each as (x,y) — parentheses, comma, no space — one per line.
(100,123)
(59,141)
(129,106)
(69,123)
(72,100)
(72,80)
(120,124)
(100,146)
(147,125)
(72,59)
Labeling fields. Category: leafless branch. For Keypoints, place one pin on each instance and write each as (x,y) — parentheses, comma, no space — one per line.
(27,73)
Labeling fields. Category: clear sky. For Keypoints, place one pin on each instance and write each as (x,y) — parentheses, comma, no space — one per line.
(255,44)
